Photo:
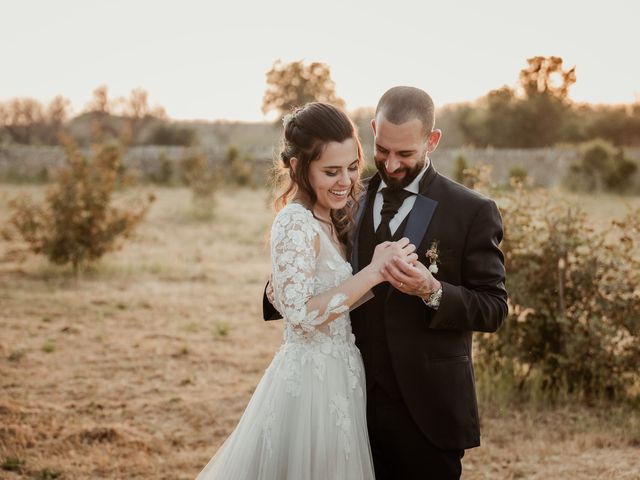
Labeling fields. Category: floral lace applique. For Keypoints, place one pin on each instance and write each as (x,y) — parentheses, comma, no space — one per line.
(300,272)
(267,427)
(339,408)
(296,276)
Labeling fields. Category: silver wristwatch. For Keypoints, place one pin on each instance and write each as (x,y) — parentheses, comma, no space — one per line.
(434,299)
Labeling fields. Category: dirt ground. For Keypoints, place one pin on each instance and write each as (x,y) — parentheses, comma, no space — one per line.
(140,369)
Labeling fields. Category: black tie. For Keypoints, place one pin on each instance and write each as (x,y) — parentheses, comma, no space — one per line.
(392,201)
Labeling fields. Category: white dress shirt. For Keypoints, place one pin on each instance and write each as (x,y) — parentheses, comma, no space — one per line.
(406,206)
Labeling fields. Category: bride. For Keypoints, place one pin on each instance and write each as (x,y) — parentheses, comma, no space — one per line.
(307,417)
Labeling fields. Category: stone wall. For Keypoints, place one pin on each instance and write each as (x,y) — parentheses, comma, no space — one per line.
(546,166)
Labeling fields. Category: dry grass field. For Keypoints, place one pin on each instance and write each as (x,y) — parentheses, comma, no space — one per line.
(140,369)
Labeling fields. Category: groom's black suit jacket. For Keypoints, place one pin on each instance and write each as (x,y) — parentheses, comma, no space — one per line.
(429,351)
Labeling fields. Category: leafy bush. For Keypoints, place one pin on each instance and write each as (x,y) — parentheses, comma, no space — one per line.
(191,167)
(574,319)
(477,176)
(165,173)
(459,166)
(13,464)
(77,223)
(168,134)
(240,168)
(518,174)
(203,181)
(471,176)
(601,167)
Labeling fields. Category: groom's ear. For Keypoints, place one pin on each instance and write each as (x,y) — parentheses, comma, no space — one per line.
(433,139)
(373,126)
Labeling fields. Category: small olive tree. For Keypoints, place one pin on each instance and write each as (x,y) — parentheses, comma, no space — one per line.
(78,223)
(203,181)
(240,168)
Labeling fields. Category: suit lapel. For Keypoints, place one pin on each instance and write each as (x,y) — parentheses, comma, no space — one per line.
(419,219)
(423,209)
(422,212)
(366,197)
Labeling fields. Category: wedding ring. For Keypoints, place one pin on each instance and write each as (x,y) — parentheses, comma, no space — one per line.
(400,284)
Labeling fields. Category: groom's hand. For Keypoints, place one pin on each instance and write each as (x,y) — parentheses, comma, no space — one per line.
(410,279)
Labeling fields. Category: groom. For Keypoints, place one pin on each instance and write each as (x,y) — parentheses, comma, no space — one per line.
(415,334)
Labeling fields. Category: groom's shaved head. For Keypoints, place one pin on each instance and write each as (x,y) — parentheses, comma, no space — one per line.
(402,104)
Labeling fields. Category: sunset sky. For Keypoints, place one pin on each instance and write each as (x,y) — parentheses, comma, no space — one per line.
(208,59)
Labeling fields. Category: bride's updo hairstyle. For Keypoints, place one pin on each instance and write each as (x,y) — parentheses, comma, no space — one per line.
(307,131)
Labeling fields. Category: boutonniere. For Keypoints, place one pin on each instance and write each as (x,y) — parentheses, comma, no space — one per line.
(432,256)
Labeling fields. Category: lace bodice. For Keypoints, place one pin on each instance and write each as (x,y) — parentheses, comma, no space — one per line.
(305,263)
(307,417)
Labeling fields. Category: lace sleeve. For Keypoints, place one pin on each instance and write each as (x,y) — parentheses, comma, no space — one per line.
(294,237)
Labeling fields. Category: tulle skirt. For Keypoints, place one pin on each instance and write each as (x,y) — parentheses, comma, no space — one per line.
(305,421)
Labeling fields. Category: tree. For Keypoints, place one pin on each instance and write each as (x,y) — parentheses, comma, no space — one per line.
(138,114)
(544,75)
(77,222)
(57,114)
(123,119)
(22,119)
(28,121)
(532,115)
(542,113)
(203,181)
(498,122)
(293,84)
(100,102)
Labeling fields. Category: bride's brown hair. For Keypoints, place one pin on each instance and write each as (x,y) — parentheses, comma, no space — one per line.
(307,131)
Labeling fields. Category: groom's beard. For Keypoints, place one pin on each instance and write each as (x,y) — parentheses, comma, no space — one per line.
(409,176)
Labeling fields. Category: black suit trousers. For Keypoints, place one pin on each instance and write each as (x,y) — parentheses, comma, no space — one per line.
(400,450)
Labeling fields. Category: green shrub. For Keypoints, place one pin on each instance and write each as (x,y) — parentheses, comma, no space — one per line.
(16,355)
(239,167)
(601,167)
(477,176)
(471,176)
(459,166)
(222,329)
(48,474)
(165,173)
(77,222)
(518,174)
(573,328)
(48,347)
(168,134)
(191,167)
(203,182)
(13,464)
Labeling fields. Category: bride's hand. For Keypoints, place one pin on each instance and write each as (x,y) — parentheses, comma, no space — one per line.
(386,251)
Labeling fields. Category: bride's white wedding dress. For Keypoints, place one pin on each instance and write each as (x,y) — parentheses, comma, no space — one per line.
(307,417)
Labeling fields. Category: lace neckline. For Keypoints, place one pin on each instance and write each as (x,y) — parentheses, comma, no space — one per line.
(333,245)
(326,235)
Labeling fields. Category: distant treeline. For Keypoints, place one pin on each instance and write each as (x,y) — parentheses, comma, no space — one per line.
(536,113)
(503,120)
(131,121)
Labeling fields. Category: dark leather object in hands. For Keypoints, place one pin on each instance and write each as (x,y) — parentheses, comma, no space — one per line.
(269,312)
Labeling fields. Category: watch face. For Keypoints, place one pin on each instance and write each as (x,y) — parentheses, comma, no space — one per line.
(434,299)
